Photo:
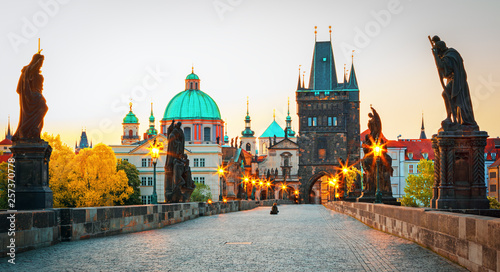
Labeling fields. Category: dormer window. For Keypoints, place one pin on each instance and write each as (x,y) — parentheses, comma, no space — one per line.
(425,155)
(410,156)
(493,156)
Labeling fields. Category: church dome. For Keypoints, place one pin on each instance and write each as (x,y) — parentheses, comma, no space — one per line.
(130,118)
(192,104)
(192,76)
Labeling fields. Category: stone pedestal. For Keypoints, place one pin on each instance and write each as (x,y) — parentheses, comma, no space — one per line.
(32,175)
(459,170)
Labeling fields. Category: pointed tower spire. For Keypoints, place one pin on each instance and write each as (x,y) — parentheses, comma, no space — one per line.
(330,27)
(151,130)
(290,132)
(298,84)
(303,79)
(248,132)
(422,129)
(9,135)
(345,79)
(353,81)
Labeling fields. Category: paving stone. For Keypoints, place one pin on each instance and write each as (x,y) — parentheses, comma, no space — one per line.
(299,238)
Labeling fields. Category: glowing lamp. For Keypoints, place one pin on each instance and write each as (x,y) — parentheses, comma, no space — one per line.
(220,171)
(225,200)
(283,186)
(209,201)
(345,170)
(296,192)
(246,179)
(268,184)
(253,182)
(337,195)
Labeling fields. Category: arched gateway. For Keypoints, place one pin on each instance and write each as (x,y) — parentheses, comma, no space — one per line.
(317,189)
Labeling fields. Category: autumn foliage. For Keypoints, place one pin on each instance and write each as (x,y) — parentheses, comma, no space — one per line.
(87,179)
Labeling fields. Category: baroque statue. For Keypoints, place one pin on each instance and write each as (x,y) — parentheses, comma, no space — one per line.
(456,94)
(33,106)
(179,183)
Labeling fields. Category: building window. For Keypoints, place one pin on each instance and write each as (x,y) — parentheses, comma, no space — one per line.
(309,121)
(410,169)
(315,122)
(330,121)
(494,156)
(327,93)
(206,134)
(125,160)
(321,148)
(196,162)
(202,180)
(150,181)
(187,134)
(195,179)
(202,162)
(149,199)
(196,85)
(144,162)
(335,121)
(130,133)
(493,188)
(144,199)
(190,85)
(150,163)
(248,147)
(493,174)
(143,181)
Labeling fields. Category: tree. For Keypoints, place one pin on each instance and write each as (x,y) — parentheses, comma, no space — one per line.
(351,176)
(494,204)
(133,181)
(3,185)
(201,193)
(94,179)
(418,190)
(59,170)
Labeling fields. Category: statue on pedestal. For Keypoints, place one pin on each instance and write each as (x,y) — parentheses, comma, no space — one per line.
(459,181)
(178,180)
(31,154)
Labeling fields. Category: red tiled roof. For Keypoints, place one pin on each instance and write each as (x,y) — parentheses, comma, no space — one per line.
(417,147)
(4,158)
(495,164)
(490,148)
(6,142)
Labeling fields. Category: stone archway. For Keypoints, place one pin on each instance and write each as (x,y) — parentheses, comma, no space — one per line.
(312,191)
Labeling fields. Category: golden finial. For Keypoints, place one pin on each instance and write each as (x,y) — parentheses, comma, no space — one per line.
(39,50)
(288,106)
(130,104)
(274,114)
(330,27)
(192,68)
(247,105)
(299,68)
(315,32)
(352,55)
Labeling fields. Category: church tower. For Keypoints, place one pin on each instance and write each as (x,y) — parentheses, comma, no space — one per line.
(422,129)
(8,135)
(248,140)
(130,128)
(328,120)
(151,132)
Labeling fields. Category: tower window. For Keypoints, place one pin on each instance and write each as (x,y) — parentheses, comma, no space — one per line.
(206,134)
(321,148)
(196,85)
(190,85)
(315,122)
(330,121)
(335,121)
(248,147)
(309,121)
(187,133)
(130,133)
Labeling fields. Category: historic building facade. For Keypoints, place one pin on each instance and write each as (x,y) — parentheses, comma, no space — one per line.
(329,127)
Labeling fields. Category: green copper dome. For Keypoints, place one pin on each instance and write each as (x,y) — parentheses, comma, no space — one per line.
(192,104)
(130,118)
(192,76)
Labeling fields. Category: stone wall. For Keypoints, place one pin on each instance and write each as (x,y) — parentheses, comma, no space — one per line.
(34,229)
(470,240)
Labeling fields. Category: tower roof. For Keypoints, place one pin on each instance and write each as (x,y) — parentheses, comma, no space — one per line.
(84,143)
(192,104)
(130,118)
(323,72)
(247,132)
(272,130)
(422,129)
(192,76)
(353,81)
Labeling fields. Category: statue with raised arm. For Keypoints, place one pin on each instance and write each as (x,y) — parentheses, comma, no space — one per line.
(32,103)
(374,124)
(456,95)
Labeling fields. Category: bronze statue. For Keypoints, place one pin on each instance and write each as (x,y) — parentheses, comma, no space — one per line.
(179,183)
(456,95)
(32,103)
(374,124)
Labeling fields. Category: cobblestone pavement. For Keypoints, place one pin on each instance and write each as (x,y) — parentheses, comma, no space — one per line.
(300,238)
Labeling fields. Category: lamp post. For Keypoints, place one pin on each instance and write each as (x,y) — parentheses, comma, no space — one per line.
(155,154)
(377,151)
(220,171)
(345,171)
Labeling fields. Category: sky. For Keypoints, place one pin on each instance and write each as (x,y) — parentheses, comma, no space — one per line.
(100,54)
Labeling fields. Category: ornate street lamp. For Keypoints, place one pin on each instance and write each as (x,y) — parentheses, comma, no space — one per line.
(377,152)
(220,171)
(345,171)
(154,150)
